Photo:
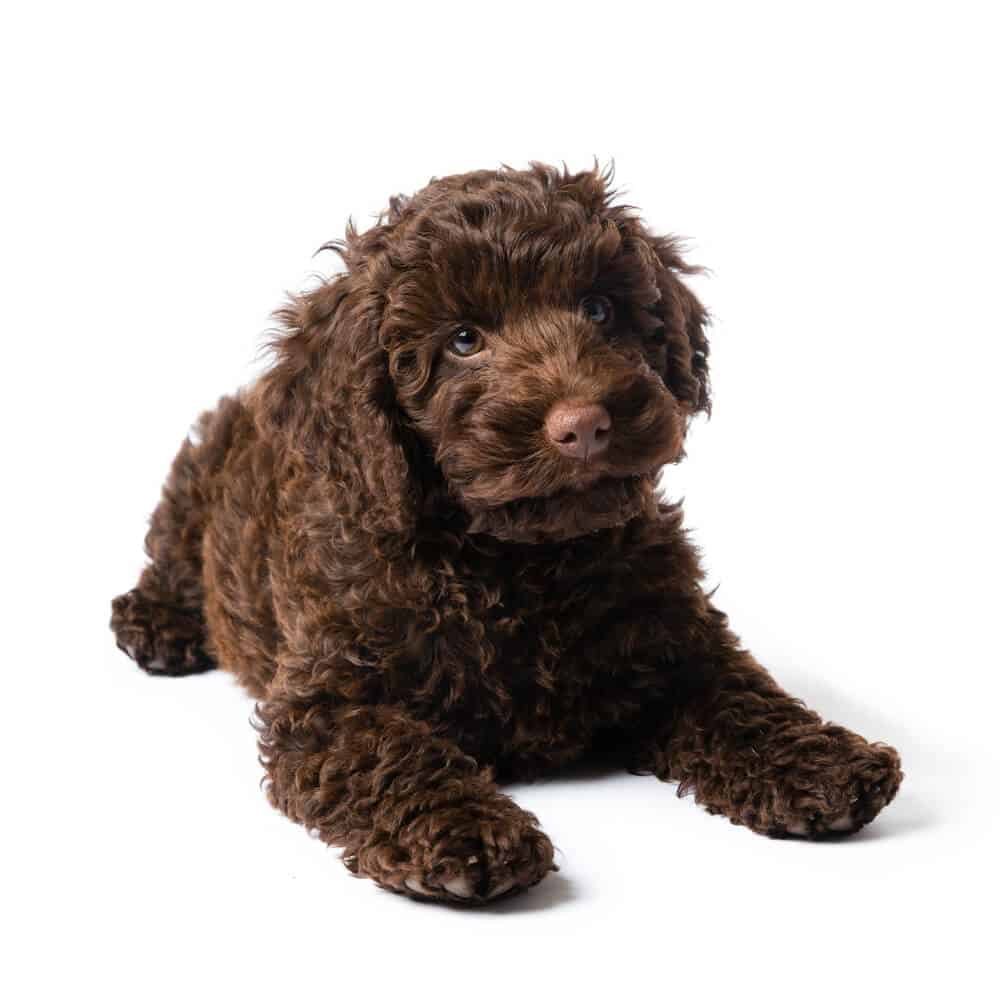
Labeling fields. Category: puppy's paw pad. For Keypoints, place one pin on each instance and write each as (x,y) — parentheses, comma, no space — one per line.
(842,824)
(460,886)
(818,826)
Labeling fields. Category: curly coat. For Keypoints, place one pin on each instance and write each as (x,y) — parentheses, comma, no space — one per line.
(430,591)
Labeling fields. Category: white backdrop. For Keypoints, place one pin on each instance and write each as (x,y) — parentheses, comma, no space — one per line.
(169,172)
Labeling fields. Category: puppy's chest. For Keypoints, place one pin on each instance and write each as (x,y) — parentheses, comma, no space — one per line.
(530,642)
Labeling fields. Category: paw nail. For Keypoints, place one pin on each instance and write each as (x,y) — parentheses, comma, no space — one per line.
(503,887)
(842,823)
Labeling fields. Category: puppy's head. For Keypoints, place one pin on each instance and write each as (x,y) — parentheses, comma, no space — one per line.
(526,346)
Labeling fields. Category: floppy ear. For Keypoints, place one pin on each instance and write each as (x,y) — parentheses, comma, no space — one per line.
(684,322)
(330,400)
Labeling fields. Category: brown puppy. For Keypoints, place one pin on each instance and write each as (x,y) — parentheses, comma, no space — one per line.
(428,541)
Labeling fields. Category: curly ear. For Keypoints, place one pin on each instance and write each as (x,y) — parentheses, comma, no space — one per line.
(330,400)
(684,322)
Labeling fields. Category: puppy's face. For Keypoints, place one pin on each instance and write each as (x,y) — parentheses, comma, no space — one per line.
(541,348)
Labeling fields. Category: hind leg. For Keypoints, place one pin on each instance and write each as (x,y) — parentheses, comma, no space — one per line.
(160,623)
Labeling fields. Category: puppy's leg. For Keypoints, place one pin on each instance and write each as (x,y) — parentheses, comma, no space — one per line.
(411,810)
(160,622)
(749,751)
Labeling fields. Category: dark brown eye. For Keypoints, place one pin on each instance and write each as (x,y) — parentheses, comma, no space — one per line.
(465,343)
(597,309)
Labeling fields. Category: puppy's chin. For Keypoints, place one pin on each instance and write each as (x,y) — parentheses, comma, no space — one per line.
(607,503)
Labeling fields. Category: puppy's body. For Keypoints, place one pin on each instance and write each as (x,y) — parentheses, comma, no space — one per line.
(545,649)
(428,542)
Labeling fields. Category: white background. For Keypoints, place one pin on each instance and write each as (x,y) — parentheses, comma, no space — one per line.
(169,171)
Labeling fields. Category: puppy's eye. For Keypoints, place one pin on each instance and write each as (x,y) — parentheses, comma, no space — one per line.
(597,309)
(465,343)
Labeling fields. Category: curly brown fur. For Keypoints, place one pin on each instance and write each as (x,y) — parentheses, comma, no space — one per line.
(430,589)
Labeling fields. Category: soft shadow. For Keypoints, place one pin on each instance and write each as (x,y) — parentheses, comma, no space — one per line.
(554,890)
(916,807)
(896,822)
(595,765)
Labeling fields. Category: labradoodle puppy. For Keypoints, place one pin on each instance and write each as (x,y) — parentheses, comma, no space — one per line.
(428,541)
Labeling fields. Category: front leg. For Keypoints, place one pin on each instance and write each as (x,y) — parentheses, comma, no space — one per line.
(751,752)
(411,810)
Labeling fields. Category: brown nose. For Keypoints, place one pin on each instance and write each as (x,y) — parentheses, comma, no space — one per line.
(579,430)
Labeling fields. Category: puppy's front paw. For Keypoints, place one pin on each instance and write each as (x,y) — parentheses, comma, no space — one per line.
(835,784)
(162,638)
(476,852)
